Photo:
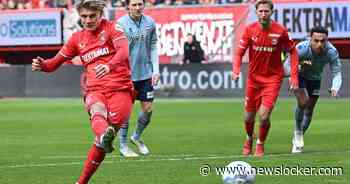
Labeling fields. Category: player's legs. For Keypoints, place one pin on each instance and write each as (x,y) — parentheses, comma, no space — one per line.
(252,100)
(143,121)
(104,135)
(119,110)
(94,158)
(313,88)
(96,105)
(144,118)
(249,120)
(269,95)
(302,99)
(124,149)
(264,114)
(146,97)
(308,112)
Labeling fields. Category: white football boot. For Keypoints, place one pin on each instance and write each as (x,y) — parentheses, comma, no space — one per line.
(127,152)
(140,145)
(298,142)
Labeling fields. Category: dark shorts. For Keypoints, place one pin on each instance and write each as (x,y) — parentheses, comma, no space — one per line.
(144,90)
(312,86)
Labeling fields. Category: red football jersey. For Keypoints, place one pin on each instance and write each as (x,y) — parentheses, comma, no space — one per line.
(98,47)
(265,47)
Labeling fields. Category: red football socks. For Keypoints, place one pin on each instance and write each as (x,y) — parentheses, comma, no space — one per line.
(264,130)
(94,159)
(249,128)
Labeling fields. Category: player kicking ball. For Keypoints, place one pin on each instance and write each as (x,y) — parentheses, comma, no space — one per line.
(314,54)
(103,49)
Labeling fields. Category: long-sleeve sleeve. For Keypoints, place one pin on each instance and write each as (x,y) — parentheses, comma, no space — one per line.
(121,45)
(243,45)
(50,65)
(294,66)
(335,67)
(67,52)
(289,46)
(154,53)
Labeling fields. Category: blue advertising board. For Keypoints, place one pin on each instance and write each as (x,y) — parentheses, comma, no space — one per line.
(20,28)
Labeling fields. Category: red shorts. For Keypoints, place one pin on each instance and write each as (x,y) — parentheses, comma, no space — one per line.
(257,95)
(118,105)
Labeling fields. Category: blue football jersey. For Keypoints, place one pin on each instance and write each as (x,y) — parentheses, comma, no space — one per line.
(142,39)
(312,64)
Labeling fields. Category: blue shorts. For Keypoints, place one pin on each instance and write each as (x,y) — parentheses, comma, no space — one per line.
(144,88)
(312,86)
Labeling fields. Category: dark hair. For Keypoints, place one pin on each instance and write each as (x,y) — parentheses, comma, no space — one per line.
(319,29)
(127,2)
(259,2)
(194,39)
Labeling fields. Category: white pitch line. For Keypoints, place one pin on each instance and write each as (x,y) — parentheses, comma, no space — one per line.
(145,159)
(113,156)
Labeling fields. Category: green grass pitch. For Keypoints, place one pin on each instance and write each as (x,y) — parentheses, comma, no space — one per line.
(44,141)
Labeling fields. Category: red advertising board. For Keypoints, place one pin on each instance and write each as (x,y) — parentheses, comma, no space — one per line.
(217,28)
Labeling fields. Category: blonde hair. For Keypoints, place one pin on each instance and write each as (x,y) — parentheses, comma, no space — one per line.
(91,4)
(259,2)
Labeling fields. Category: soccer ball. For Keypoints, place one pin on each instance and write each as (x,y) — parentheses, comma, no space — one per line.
(239,172)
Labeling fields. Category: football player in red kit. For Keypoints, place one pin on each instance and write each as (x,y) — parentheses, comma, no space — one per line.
(265,39)
(103,50)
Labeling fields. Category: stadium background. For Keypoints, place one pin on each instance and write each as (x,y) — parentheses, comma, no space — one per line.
(44,140)
(43,26)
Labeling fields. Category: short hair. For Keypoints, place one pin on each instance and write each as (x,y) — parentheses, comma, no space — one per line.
(98,5)
(127,2)
(259,2)
(318,29)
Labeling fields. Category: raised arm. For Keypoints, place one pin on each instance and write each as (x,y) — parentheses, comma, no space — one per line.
(67,52)
(49,65)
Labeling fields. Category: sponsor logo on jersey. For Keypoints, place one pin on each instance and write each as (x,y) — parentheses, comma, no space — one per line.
(263,49)
(88,57)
